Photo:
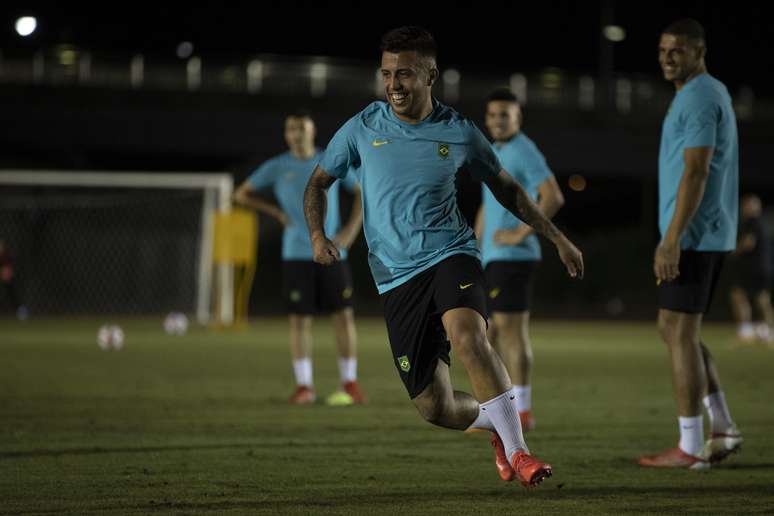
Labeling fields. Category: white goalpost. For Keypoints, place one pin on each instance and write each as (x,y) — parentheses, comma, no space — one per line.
(58,219)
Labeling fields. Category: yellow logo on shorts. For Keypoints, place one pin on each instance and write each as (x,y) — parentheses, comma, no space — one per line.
(494,293)
(404,364)
(295,296)
(443,150)
(346,293)
(463,286)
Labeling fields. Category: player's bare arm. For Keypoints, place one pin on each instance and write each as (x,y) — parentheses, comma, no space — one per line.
(247,197)
(514,198)
(689,195)
(550,199)
(348,233)
(315,204)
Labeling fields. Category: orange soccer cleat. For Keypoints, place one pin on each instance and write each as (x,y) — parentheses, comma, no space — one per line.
(531,471)
(504,468)
(673,458)
(527,421)
(353,389)
(303,395)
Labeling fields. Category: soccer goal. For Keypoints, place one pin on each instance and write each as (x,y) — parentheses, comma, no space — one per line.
(89,243)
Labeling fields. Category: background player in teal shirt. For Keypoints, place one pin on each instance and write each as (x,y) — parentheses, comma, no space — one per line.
(308,287)
(510,250)
(698,203)
(422,253)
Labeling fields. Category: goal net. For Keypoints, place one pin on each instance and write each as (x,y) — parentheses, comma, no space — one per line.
(90,243)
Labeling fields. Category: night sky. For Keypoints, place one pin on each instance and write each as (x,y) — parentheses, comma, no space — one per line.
(493,36)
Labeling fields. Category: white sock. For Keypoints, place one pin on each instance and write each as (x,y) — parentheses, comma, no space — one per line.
(505,418)
(303,371)
(717,409)
(523,397)
(691,434)
(348,369)
(482,421)
(746,330)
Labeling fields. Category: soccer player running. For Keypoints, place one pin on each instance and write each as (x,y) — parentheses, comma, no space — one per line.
(308,287)
(698,190)
(422,254)
(751,268)
(510,250)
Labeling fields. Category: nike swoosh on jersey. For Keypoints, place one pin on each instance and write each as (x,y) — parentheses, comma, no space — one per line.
(379,143)
(463,287)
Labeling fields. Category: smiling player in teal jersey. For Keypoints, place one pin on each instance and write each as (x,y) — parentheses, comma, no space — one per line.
(698,175)
(309,288)
(422,253)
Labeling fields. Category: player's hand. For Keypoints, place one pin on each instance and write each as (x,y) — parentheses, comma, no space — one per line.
(513,236)
(666,260)
(325,252)
(571,257)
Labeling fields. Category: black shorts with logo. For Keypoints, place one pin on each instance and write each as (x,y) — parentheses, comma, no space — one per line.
(413,314)
(691,292)
(509,285)
(310,288)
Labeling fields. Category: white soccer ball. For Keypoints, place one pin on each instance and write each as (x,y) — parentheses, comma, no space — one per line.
(176,323)
(110,337)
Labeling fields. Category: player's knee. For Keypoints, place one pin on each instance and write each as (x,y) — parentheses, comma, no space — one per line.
(667,328)
(470,344)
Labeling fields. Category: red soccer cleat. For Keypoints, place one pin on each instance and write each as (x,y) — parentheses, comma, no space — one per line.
(353,389)
(504,468)
(527,421)
(531,472)
(673,458)
(303,395)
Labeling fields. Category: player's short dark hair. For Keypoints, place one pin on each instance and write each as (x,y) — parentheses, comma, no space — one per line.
(301,113)
(687,27)
(410,38)
(503,94)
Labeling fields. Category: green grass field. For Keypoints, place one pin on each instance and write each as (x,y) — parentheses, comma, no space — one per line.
(199,424)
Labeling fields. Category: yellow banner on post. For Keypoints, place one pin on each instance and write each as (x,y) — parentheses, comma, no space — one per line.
(236,244)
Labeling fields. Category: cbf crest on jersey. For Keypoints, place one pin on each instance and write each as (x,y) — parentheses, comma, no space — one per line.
(443,150)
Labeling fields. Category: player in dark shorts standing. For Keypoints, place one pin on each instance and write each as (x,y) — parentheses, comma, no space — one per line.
(422,253)
(751,269)
(308,287)
(698,199)
(510,251)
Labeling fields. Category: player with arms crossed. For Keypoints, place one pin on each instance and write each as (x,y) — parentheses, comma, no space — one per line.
(422,253)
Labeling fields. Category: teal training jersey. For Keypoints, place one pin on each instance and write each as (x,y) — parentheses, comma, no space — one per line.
(521,158)
(701,115)
(406,173)
(287,176)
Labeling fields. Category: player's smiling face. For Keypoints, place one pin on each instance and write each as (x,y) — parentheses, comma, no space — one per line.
(680,58)
(408,80)
(503,119)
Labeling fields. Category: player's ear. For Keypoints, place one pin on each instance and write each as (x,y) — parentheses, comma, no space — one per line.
(432,75)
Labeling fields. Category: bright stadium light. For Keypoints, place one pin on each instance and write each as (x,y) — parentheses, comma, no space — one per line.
(614,33)
(26,25)
(185,50)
